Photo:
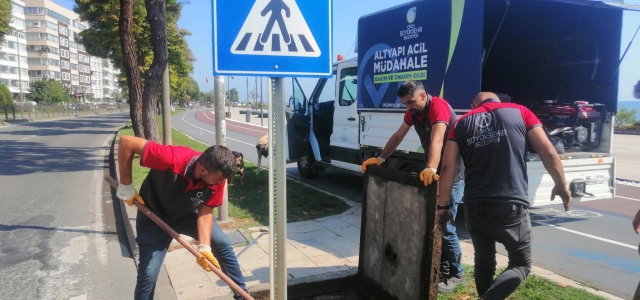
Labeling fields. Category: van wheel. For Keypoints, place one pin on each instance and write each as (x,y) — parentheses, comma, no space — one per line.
(305,167)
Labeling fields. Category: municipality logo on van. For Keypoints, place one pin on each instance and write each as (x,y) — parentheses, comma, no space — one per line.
(411,15)
(412,30)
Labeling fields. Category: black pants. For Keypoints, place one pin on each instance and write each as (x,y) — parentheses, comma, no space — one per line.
(508,224)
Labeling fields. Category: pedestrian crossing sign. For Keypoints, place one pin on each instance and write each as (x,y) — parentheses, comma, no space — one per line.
(277,38)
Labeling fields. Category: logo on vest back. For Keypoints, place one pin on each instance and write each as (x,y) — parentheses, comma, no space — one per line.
(483,120)
(197,199)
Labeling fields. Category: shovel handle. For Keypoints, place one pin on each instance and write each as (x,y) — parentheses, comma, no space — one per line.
(185,244)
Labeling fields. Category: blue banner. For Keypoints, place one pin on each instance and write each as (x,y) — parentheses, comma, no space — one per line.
(434,41)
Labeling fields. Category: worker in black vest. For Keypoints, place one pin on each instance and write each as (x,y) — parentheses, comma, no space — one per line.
(182,188)
(431,116)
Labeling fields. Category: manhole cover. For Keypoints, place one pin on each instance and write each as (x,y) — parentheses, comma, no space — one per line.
(236,237)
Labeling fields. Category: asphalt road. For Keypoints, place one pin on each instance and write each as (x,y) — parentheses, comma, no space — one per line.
(593,244)
(59,238)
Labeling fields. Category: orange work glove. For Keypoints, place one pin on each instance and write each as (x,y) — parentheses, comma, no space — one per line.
(371,161)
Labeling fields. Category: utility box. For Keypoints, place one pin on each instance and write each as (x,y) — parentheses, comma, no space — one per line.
(399,242)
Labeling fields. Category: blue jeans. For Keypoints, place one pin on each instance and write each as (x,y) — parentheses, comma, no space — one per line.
(451,259)
(153,243)
(508,224)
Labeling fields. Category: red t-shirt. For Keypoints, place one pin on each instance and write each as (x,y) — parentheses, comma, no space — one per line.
(438,112)
(178,159)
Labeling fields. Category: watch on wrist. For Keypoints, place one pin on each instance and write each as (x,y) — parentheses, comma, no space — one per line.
(438,206)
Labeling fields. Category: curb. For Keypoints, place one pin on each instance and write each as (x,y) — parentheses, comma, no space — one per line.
(129,223)
(164,288)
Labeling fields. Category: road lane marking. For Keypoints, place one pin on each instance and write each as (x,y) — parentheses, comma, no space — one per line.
(28,137)
(228,138)
(586,235)
(634,199)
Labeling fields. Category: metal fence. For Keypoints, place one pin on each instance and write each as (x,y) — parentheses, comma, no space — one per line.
(45,110)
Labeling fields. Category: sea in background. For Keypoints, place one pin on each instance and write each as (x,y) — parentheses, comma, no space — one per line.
(631,105)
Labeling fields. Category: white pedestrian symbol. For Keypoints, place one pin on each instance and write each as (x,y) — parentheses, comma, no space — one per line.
(259,34)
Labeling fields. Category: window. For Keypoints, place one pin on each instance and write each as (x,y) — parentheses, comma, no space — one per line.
(64,53)
(11,44)
(52,26)
(73,55)
(73,45)
(66,76)
(36,73)
(64,42)
(17,8)
(348,86)
(328,91)
(75,77)
(64,64)
(64,30)
(17,22)
(74,66)
(81,48)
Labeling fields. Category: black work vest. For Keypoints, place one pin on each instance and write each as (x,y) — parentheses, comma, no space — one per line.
(165,193)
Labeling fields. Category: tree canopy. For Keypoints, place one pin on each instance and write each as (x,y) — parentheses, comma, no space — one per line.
(48,90)
(5,18)
(6,98)
(232,95)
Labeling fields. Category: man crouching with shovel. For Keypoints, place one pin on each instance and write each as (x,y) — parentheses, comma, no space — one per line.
(182,188)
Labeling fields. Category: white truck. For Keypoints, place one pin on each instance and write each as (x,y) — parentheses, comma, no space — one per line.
(529,52)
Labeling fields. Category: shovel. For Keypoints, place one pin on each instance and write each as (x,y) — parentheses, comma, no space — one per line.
(185,244)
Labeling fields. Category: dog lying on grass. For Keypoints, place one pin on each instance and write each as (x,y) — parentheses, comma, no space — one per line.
(262,147)
(239,166)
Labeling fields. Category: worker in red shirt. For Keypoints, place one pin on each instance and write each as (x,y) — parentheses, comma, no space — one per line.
(182,188)
(431,116)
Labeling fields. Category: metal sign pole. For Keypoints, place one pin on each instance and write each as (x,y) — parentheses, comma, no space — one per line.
(277,191)
(221,139)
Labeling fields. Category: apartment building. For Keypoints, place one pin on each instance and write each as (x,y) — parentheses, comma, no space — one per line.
(48,33)
(13,53)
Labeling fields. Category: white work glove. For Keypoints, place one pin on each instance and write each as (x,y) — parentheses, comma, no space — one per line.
(127,193)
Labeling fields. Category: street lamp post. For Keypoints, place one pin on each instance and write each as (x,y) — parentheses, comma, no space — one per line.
(20,73)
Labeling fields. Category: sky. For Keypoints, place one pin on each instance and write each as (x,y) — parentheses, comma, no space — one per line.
(196,18)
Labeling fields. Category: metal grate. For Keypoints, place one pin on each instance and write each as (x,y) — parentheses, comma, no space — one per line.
(236,237)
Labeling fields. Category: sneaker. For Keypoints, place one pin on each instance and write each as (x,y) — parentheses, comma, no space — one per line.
(449,285)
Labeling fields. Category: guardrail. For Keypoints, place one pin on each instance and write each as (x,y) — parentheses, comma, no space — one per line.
(28,111)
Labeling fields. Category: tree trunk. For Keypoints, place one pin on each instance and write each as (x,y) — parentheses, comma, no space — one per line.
(131,67)
(153,77)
